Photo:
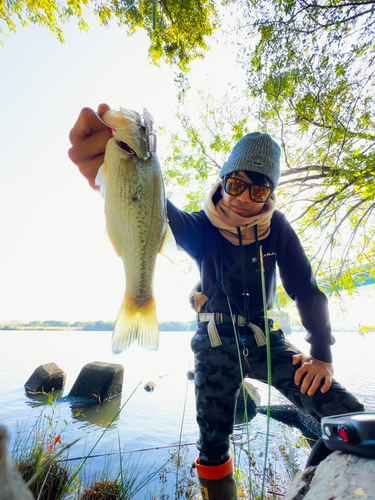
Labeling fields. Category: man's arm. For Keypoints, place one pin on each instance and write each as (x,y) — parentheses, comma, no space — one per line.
(299,282)
(89,137)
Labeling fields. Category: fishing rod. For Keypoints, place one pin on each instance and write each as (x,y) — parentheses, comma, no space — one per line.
(180,439)
(179,445)
(246,418)
(269,370)
(128,451)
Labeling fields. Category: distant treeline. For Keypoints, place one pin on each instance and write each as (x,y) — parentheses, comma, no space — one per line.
(167,326)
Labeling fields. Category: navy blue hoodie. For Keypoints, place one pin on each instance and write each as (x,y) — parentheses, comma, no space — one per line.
(214,255)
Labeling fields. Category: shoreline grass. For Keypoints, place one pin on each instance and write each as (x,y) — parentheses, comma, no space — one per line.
(61,482)
(43,449)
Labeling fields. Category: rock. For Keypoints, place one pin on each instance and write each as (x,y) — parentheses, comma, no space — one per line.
(45,378)
(99,381)
(343,476)
(12,486)
(190,374)
(340,476)
(300,485)
(150,386)
(252,399)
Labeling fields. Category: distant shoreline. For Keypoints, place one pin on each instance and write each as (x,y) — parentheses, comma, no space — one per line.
(36,328)
(166,326)
(84,326)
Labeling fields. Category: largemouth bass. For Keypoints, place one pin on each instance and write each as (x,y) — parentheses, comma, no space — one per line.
(136,215)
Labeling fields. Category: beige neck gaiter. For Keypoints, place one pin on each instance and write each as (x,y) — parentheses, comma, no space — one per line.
(227,221)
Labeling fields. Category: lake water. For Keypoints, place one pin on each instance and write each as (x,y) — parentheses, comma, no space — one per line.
(157,420)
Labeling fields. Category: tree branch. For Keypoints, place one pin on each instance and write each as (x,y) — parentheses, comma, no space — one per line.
(330,241)
(338,6)
(359,135)
(320,168)
(298,179)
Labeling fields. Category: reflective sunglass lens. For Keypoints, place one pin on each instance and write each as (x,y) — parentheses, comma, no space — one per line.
(260,193)
(234,186)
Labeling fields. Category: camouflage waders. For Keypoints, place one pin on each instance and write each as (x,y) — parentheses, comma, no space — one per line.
(218,381)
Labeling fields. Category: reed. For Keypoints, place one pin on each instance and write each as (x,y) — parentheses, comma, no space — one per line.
(38,452)
(40,455)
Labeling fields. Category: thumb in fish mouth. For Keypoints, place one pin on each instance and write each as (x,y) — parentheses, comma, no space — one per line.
(120,118)
(103,108)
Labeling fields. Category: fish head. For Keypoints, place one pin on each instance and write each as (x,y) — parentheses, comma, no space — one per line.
(133,132)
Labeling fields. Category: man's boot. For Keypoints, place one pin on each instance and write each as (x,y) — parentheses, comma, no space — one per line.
(216,482)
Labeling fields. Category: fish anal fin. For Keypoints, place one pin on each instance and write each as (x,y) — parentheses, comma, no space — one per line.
(168,248)
(136,322)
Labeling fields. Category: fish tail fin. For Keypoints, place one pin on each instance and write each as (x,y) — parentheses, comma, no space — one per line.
(136,322)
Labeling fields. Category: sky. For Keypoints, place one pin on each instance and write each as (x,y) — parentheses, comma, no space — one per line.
(56,261)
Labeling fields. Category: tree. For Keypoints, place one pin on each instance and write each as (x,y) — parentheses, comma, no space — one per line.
(312,72)
(177,30)
(310,69)
(199,149)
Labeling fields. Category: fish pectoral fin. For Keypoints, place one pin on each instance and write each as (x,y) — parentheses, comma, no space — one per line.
(100,178)
(169,248)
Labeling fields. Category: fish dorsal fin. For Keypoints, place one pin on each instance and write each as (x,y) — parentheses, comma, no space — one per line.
(168,247)
(100,178)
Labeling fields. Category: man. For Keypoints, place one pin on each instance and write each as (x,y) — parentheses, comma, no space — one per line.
(226,239)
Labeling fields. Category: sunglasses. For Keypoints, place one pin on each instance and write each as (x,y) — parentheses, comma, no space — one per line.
(235,187)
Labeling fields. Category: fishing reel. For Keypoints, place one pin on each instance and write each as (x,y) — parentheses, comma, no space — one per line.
(351,433)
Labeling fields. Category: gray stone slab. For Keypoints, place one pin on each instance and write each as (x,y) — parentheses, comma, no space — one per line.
(45,378)
(343,476)
(12,486)
(252,397)
(99,380)
(300,485)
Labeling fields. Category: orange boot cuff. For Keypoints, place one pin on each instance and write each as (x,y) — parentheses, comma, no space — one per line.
(214,471)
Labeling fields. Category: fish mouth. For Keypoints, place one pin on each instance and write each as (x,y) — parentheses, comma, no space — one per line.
(126,148)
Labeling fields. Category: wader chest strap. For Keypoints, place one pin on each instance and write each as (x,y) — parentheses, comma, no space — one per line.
(213,333)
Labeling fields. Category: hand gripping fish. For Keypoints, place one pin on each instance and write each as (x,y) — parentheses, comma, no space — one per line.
(136,214)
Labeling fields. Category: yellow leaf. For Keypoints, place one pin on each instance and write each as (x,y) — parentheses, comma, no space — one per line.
(360,493)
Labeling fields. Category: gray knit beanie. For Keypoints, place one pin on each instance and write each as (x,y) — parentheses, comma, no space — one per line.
(255,152)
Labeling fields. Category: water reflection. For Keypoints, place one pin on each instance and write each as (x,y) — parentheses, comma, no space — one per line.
(83,410)
(239,417)
(98,414)
(41,399)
